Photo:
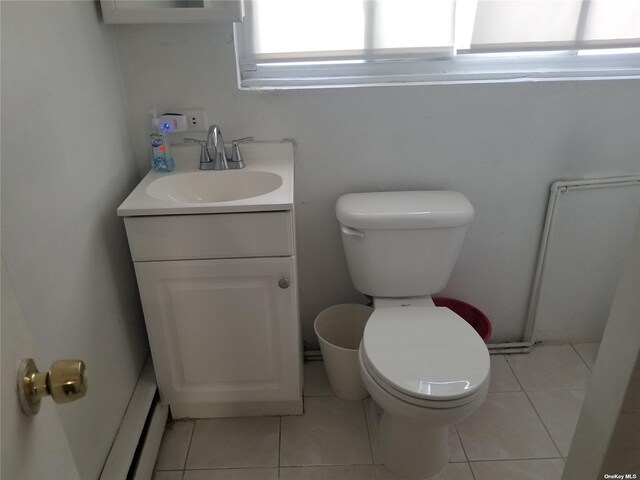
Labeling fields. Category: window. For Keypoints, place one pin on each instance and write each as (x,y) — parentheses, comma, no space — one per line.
(320,43)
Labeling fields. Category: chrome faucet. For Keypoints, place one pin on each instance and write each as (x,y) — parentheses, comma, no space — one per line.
(212,153)
(215,149)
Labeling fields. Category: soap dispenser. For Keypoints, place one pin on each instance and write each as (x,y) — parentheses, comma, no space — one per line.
(161,160)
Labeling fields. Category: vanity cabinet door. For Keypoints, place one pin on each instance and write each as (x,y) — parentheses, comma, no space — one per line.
(222,332)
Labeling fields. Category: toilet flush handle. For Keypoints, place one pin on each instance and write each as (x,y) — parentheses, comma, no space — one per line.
(352,232)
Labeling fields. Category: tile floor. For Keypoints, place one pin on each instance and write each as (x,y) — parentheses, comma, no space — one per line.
(522,431)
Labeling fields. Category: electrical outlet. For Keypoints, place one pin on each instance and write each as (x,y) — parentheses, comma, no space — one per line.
(196,118)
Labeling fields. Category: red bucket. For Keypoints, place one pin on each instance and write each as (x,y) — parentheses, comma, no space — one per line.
(471,314)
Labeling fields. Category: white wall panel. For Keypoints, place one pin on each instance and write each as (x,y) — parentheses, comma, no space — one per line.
(501,145)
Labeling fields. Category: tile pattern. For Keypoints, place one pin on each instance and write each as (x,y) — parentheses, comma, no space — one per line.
(235,442)
(559,410)
(505,427)
(453,471)
(547,469)
(549,367)
(174,447)
(233,474)
(588,352)
(358,472)
(502,378)
(167,475)
(521,431)
(331,432)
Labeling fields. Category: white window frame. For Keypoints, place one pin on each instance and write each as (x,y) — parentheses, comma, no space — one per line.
(431,69)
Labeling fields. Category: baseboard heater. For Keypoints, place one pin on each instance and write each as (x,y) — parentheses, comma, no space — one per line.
(135,448)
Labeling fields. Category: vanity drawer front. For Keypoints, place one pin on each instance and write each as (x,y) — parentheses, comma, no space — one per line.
(224,235)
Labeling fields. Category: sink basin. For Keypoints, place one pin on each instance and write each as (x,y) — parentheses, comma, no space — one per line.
(264,185)
(213,186)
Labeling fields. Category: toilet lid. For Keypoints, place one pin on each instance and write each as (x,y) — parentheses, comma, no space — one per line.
(425,352)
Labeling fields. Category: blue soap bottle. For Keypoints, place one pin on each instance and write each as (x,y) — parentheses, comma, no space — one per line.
(161,160)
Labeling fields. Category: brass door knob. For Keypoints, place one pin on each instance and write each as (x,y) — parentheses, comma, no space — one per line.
(66,381)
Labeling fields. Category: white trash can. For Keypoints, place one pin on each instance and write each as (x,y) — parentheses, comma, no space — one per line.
(339,330)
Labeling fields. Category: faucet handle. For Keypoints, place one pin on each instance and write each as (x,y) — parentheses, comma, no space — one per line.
(204,157)
(236,157)
(242,140)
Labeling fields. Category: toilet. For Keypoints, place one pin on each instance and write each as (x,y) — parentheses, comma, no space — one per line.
(424,366)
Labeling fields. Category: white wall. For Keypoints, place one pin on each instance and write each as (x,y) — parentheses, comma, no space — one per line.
(67,162)
(502,145)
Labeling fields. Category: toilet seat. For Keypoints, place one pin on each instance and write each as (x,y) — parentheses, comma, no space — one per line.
(426,356)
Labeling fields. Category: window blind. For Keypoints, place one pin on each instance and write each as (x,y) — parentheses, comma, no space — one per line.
(333,30)
(529,25)
(307,43)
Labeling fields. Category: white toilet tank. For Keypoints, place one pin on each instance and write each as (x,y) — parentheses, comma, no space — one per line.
(402,244)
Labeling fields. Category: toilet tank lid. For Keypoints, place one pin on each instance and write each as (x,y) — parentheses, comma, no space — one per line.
(410,210)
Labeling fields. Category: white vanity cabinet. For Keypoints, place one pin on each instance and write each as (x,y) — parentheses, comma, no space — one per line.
(220,304)
(218,285)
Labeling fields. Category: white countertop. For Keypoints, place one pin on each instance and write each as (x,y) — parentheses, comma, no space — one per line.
(272,157)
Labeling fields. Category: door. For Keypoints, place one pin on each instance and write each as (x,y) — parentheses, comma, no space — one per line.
(33,448)
(223,331)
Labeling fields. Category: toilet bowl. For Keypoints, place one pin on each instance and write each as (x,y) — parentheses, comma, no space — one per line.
(427,369)
(425,366)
